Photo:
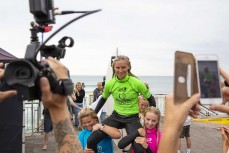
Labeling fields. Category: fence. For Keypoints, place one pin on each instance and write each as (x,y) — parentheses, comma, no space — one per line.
(33,116)
(33,112)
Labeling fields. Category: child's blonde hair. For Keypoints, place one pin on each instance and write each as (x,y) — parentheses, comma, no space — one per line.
(142,98)
(85,112)
(156,111)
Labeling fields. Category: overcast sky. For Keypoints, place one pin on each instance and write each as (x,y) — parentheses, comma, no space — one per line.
(148,31)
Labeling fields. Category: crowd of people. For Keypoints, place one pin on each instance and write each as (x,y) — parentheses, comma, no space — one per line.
(128,93)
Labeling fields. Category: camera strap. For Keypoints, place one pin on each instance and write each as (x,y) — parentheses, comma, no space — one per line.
(64,87)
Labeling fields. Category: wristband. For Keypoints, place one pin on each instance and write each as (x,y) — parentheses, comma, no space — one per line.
(64,87)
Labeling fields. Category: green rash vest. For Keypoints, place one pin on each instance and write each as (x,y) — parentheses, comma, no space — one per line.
(125,94)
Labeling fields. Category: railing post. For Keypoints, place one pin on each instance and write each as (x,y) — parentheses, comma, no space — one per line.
(38,116)
(32,115)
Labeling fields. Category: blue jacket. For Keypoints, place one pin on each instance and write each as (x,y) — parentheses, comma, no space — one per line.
(104,146)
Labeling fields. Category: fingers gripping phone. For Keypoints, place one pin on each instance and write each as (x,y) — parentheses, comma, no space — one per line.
(208,79)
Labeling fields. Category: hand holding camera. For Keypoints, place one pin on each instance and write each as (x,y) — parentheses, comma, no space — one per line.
(56,71)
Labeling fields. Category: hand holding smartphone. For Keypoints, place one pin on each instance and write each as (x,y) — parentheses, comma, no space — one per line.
(208,79)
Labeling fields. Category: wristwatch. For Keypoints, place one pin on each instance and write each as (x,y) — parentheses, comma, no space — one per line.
(101,127)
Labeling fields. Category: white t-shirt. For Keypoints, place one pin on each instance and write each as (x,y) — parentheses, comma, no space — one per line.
(94,104)
(187,121)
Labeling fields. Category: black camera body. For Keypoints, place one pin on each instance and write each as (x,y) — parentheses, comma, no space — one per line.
(43,11)
(24,74)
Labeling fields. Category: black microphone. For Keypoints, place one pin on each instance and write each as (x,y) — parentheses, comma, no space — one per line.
(68,12)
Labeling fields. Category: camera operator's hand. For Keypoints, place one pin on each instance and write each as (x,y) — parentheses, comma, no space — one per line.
(5,94)
(65,134)
(225,93)
(175,115)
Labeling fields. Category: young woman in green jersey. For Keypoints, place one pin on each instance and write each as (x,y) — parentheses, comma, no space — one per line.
(125,89)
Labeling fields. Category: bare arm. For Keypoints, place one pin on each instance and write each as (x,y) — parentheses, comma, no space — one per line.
(73,97)
(175,115)
(225,93)
(111,131)
(5,94)
(74,105)
(64,132)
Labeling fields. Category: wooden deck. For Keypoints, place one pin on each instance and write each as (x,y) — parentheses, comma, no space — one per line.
(205,139)
(34,144)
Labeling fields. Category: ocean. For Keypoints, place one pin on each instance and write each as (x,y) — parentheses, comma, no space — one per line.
(157,84)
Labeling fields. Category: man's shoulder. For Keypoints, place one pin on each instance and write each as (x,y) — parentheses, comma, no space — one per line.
(95,89)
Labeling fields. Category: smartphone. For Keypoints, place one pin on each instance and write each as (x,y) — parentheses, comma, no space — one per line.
(208,79)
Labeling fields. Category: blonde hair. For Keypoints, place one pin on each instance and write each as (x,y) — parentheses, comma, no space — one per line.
(125,58)
(86,112)
(141,98)
(156,111)
(78,83)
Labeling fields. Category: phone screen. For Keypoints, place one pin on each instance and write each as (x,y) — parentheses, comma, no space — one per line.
(209,79)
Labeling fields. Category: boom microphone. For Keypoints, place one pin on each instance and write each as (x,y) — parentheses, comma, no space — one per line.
(68,12)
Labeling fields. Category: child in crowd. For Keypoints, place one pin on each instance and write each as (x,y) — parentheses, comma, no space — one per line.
(150,136)
(185,133)
(89,122)
(143,105)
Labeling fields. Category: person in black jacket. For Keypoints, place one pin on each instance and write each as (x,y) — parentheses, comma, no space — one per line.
(78,98)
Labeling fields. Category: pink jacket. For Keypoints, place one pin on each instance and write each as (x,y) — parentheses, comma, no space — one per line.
(153,137)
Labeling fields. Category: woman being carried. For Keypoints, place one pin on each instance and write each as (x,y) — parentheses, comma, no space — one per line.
(125,89)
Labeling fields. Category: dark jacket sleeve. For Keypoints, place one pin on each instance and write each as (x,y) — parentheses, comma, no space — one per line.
(100,104)
(125,141)
(152,101)
(96,94)
(148,150)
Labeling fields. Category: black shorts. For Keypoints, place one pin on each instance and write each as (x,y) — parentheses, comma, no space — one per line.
(185,132)
(47,124)
(130,123)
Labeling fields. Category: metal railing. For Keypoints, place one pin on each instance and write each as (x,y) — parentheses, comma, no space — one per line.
(33,115)
(33,112)
(160,102)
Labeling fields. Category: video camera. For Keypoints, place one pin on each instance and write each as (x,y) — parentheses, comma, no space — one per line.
(24,74)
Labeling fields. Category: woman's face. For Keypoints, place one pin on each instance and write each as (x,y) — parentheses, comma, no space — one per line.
(88,122)
(78,86)
(150,120)
(121,69)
